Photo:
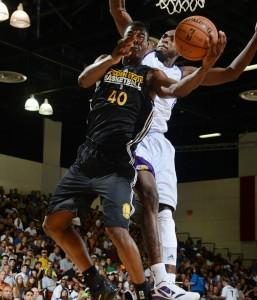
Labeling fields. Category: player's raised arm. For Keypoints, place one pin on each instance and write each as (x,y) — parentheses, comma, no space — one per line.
(95,71)
(121,17)
(230,73)
(165,87)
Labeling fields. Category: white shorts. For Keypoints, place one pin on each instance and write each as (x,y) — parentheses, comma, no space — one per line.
(159,152)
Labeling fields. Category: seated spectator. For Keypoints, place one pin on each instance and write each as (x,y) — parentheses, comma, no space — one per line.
(28,295)
(39,270)
(2,278)
(31,229)
(32,282)
(74,292)
(64,295)
(65,264)
(22,245)
(43,258)
(56,254)
(7,292)
(9,278)
(36,294)
(48,284)
(24,273)
(130,294)
(251,294)
(4,260)
(12,262)
(18,288)
(59,288)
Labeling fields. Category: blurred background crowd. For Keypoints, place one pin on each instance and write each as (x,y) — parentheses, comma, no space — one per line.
(33,267)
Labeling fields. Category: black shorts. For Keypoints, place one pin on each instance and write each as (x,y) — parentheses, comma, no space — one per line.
(91,176)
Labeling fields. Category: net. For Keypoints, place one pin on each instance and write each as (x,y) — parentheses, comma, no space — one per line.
(177,6)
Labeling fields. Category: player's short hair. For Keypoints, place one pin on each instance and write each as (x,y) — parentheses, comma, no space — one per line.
(140,25)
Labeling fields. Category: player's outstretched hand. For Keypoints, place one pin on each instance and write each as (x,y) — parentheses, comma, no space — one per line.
(123,48)
(215,50)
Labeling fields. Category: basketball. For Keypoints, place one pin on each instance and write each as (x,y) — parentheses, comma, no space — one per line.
(191,37)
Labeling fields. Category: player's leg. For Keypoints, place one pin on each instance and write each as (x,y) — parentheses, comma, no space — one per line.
(117,193)
(166,181)
(148,197)
(58,225)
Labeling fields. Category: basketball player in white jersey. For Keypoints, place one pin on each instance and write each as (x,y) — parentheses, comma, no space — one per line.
(156,155)
(228,292)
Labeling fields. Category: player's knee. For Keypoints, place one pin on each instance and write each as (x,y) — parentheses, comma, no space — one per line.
(56,223)
(118,235)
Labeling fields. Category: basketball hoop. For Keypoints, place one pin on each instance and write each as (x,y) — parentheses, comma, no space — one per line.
(176,6)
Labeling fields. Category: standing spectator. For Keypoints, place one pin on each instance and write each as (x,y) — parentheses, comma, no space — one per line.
(228,292)
(197,281)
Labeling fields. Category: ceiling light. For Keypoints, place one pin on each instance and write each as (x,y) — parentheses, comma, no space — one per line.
(4,13)
(251,67)
(20,19)
(32,104)
(12,77)
(209,135)
(46,108)
(250,95)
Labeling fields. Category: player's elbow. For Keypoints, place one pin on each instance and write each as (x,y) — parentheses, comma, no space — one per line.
(84,82)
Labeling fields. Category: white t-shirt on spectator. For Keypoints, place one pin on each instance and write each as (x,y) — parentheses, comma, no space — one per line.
(57,292)
(65,264)
(18,224)
(31,231)
(10,239)
(229,293)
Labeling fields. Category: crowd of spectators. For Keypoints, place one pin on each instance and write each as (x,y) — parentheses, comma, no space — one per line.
(33,267)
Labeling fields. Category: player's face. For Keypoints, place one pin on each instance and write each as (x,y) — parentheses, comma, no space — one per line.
(166,44)
(140,40)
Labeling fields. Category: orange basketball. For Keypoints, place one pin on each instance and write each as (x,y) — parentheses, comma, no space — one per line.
(191,37)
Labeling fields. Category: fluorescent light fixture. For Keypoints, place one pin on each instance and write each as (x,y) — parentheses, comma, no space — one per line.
(250,95)
(250,68)
(209,135)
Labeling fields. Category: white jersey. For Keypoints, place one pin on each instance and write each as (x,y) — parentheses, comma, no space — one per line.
(162,108)
(229,293)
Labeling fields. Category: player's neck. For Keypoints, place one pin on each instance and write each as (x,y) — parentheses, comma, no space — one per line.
(166,60)
(132,61)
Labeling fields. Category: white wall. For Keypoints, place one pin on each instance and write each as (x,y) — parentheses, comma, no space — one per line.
(215,207)
(20,173)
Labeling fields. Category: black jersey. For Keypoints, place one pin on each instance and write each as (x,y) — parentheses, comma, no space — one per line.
(121,109)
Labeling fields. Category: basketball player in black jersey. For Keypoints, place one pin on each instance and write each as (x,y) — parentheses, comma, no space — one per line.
(120,116)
